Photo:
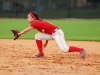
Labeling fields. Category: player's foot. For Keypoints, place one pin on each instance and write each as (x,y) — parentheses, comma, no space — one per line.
(39,55)
(82,53)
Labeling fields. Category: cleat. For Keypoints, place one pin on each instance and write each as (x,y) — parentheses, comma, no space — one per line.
(82,53)
(39,55)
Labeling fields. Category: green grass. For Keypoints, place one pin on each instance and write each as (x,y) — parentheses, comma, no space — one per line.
(74,29)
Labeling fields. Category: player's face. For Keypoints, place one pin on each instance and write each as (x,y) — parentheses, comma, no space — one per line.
(30,19)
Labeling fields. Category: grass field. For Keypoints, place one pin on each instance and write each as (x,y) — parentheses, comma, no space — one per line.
(74,29)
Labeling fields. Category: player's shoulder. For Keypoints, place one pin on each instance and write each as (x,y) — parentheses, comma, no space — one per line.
(37,21)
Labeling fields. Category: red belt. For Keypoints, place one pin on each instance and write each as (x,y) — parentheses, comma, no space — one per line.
(54,30)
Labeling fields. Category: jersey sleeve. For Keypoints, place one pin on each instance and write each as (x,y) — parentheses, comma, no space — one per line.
(32,25)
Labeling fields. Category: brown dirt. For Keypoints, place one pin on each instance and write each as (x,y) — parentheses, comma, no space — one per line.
(15,59)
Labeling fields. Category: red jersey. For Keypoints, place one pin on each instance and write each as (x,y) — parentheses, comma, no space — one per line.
(43,26)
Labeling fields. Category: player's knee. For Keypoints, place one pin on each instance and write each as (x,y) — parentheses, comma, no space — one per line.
(65,49)
(37,36)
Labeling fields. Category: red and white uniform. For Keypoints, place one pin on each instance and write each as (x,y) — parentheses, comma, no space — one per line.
(48,31)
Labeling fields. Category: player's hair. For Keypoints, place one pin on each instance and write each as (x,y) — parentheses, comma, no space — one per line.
(35,14)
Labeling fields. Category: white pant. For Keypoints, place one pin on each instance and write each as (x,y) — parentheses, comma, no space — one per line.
(58,36)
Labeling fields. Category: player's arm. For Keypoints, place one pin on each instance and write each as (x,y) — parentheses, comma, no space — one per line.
(25,30)
(45,44)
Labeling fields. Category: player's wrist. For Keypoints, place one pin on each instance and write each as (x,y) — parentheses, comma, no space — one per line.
(19,34)
(46,41)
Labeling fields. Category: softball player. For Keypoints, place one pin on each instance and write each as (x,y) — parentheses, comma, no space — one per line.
(48,31)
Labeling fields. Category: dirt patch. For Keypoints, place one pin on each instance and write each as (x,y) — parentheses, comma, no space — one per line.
(15,59)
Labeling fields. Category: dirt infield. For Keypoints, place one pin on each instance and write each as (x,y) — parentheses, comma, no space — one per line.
(15,59)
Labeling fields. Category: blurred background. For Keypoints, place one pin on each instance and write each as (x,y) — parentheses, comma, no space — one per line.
(50,8)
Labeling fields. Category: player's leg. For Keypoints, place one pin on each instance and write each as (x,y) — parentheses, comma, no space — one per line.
(59,38)
(39,37)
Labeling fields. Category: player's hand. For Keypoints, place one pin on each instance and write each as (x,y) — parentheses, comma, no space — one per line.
(15,33)
(45,44)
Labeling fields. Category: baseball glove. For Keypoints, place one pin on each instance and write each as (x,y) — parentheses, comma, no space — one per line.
(15,33)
